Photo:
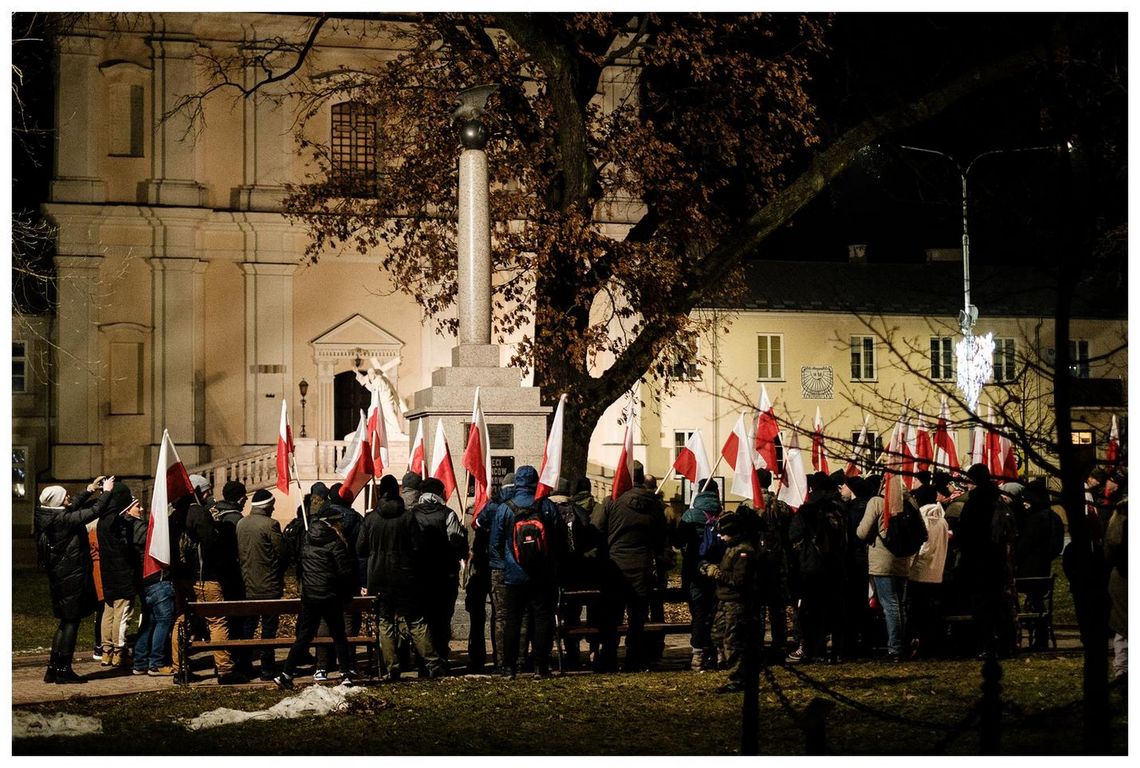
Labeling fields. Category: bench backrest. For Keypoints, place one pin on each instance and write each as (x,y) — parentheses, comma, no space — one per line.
(283,606)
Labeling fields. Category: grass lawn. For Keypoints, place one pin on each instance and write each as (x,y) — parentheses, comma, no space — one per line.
(655,713)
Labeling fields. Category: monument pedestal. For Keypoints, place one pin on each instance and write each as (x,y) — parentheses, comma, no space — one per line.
(516,418)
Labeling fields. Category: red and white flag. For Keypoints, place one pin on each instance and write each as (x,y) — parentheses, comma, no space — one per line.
(793,491)
(945,450)
(692,461)
(416,456)
(818,452)
(767,433)
(907,444)
(441,466)
(1112,448)
(356,465)
(377,435)
(853,469)
(477,455)
(623,473)
(993,453)
(892,483)
(284,449)
(552,455)
(171,482)
(739,454)
(923,450)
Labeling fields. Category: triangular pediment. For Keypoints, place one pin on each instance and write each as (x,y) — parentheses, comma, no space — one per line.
(358,333)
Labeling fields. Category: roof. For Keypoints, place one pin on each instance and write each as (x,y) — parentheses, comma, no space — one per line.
(928,289)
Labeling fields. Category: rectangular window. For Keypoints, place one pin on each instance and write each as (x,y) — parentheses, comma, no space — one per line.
(19,472)
(1005,360)
(770,356)
(685,370)
(1082,437)
(354,140)
(941,358)
(126,120)
(19,366)
(1079,358)
(862,358)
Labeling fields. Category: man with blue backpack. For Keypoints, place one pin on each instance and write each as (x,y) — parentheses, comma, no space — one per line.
(700,542)
(524,530)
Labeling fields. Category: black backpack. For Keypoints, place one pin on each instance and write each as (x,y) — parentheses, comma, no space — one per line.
(530,540)
(832,534)
(906,531)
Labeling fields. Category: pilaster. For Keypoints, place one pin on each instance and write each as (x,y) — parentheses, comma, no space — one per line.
(77,98)
(268,347)
(174,163)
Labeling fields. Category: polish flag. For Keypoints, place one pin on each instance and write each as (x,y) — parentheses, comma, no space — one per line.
(908,441)
(171,482)
(623,473)
(441,466)
(692,460)
(477,455)
(767,432)
(892,483)
(377,435)
(737,451)
(977,453)
(923,450)
(793,491)
(284,448)
(1112,449)
(818,453)
(994,457)
(1008,458)
(552,455)
(853,465)
(945,451)
(356,465)
(416,456)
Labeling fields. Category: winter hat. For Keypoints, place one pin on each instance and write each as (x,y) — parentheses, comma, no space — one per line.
(52,496)
(856,485)
(979,474)
(923,476)
(508,480)
(730,524)
(261,498)
(819,481)
(839,477)
(389,486)
(120,496)
(432,485)
(710,487)
(319,490)
(638,473)
(1036,493)
(764,477)
(200,483)
(412,481)
(563,488)
(234,490)
(583,486)
(1013,490)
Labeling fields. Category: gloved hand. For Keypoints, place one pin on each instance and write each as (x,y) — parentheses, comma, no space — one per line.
(713,572)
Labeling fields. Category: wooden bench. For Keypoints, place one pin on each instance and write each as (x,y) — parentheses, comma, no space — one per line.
(581,597)
(365,607)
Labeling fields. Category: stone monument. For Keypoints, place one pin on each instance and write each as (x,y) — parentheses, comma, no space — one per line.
(516,418)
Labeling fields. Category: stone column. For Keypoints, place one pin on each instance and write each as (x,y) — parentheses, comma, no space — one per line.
(78,450)
(174,162)
(178,301)
(78,96)
(474,239)
(268,348)
(266,150)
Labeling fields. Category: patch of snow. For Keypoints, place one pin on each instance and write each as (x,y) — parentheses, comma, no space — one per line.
(27,725)
(313,701)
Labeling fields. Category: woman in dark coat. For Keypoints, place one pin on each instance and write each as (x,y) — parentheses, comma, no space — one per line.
(61,537)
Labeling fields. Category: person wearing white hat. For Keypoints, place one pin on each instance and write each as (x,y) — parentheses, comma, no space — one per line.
(60,528)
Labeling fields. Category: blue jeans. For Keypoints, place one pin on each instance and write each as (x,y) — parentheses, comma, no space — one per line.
(892,597)
(158,620)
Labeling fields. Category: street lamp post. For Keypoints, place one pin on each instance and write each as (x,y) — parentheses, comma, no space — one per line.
(975,354)
(304,387)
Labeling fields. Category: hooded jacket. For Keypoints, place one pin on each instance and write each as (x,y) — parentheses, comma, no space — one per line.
(880,560)
(442,541)
(705,509)
(501,520)
(213,555)
(70,579)
(261,550)
(328,570)
(389,542)
(929,563)
(633,531)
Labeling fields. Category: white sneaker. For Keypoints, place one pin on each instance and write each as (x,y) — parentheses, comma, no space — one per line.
(320,676)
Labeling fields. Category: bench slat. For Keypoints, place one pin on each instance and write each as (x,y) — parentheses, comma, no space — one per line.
(284,606)
(276,642)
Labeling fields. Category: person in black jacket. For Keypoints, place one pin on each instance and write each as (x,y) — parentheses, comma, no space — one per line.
(389,540)
(442,548)
(328,580)
(854,637)
(120,571)
(339,508)
(61,537)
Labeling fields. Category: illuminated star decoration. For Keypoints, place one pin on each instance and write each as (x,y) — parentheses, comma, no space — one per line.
(975,355)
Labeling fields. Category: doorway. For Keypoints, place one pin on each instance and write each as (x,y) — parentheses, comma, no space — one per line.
(349,399)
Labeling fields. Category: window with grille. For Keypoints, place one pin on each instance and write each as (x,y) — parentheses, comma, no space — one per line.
(862,358)
(1005,360)
(354,140)
(19,366)
(1079,358)
(941,358)
(770,356)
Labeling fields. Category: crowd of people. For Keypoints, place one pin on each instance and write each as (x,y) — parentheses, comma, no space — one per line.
(837,578)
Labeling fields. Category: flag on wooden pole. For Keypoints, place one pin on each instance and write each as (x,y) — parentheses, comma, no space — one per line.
(767,433)
(945,451)
(356,465)
(739,454)
(477,455)
(377,435)
(171,482)
(284,449)
(692,460)
(623,473)
(416,456)
(552,455)
(441,466)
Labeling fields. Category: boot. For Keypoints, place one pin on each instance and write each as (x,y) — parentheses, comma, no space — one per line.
(696,661)
(49,675)
(64,674)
